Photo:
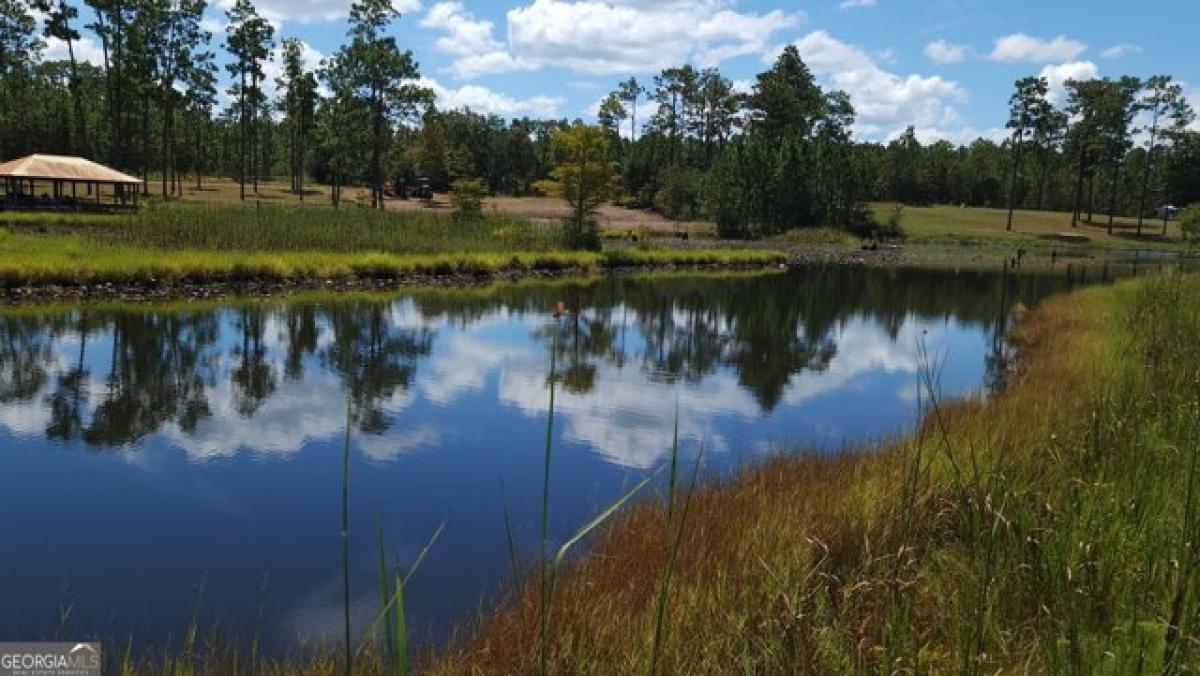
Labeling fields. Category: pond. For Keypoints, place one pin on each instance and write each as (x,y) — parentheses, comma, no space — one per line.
(164,466)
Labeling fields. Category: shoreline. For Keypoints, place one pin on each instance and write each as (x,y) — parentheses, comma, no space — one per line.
(145,292)
(450,271)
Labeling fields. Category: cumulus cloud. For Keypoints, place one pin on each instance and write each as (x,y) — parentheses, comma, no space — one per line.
(483,100)
(941,51)
(598,37)
(86,49)
(273,68)
(885,101)
(307,11)
(851,4)
(470,41)
(1022,48)
(1057,76)
(1121,50)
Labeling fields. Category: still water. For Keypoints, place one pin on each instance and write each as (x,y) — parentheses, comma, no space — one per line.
(159,467)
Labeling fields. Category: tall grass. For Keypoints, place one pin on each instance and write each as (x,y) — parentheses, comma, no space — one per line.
(213,227)
(1051,528)
(75,259)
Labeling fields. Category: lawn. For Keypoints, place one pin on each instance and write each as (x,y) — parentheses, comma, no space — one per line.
(973,226)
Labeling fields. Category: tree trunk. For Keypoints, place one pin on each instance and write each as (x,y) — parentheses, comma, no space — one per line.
(633,121)
(81,146)
(1091,197)
(199,154)
(376,148)
(1146,173)
(254,132)
(1043,172)
(166,162)
(1112,195)
(118,102)
(1012,185)
(108,85)
(1078,209)
(146,144)
(242,132)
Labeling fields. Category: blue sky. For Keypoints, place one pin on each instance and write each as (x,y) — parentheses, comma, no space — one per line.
(945,66)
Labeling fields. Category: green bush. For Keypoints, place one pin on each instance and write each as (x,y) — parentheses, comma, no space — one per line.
(1189,223)
(467,196)
(679,196)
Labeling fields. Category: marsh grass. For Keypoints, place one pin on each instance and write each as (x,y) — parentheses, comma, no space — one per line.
(180,243)
(174,226)
(1050,528)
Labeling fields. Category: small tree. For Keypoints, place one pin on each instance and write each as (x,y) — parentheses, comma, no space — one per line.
(467,196)
(586,178)
(1189,224)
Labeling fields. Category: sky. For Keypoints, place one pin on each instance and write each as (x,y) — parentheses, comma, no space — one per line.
(946,67)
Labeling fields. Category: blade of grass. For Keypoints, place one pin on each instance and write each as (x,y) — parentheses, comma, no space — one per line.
(349,666)
(385,590)
(395,599)
(669,573)
(600,518)
(544,611)
(508,534)
(674,463)
(401,629)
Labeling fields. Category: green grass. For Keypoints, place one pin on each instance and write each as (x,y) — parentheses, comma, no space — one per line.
(37,218)
(975,226)
(818,236)
(40,260)
(240,228)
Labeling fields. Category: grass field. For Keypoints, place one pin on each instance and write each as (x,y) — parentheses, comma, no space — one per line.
(941,225)
(970,226)
(1049,529)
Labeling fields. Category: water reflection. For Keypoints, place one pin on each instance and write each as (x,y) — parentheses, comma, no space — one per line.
(188,418)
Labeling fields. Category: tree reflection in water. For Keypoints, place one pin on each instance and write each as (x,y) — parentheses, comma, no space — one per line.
(767,329)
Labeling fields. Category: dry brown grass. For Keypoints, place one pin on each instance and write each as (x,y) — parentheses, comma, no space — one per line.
(815,564)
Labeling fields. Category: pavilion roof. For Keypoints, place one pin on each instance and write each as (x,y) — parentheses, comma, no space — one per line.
(63,168)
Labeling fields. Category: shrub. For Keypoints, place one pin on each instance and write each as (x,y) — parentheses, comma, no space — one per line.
(679,196)
(1189,224)
(467,196)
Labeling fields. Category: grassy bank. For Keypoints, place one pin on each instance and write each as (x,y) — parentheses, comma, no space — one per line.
(180,243)
(952,225)
(1048,529)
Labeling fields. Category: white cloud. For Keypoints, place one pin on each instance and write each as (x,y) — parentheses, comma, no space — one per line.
(942,51)
(851,4)
(886,102)
(308,11)
(487,101)
(86,49)
(1057,76)
(599,37)
(1022,48)
(273,68)
(959,135)
(1118,51)
(470,41)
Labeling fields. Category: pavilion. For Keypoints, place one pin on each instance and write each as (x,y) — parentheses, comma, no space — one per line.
(61,182)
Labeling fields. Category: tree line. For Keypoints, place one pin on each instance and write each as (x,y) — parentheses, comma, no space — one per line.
(776,155)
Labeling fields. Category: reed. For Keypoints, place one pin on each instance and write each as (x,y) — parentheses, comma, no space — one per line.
(32,260)
(1049,528)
